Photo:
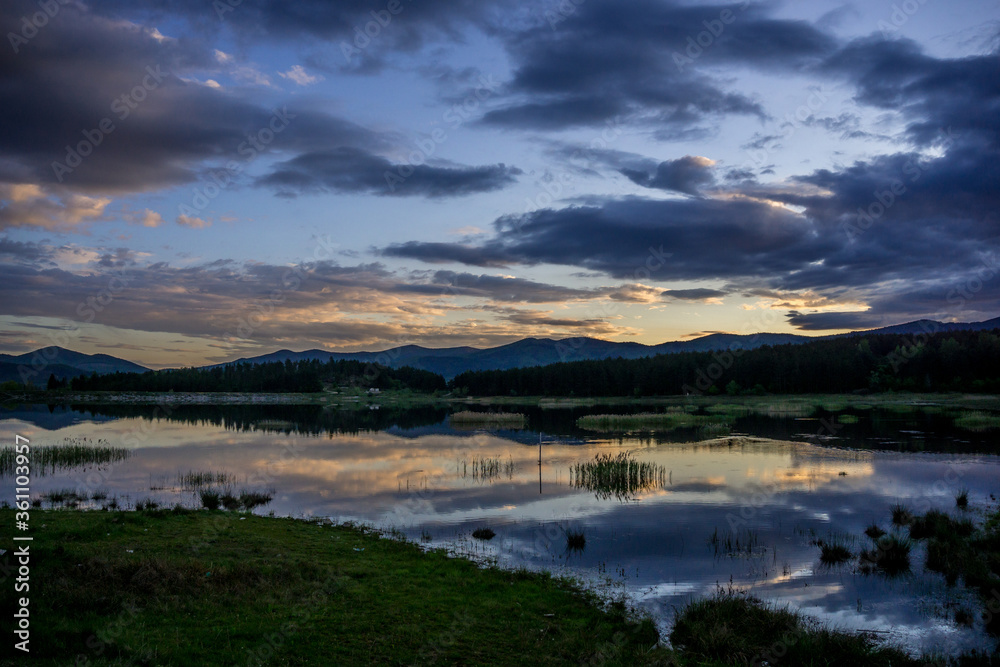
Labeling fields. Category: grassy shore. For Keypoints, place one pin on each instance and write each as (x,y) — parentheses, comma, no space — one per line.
(184,587)
(218,588)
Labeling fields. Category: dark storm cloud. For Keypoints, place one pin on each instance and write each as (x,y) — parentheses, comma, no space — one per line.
(105,106)
(687,175)
(356,170)
(439,253)
(21,251)
(497,288)
(933,94)
(609,59)
(696,294)
(629,238)
(351,36)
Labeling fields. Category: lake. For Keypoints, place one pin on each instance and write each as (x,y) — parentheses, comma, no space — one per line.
(743,510)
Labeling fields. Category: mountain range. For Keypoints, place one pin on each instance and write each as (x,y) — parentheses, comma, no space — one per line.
(35,367)
(451,361)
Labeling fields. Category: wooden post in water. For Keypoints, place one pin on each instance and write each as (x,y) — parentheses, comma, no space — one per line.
(539,464)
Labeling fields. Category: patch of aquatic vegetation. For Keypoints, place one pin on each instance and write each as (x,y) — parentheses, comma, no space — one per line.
(736,543)
(618,476)
(978,420)
(715,430)
(790,408)
(71,453)
(486,468)
(470,419)
(729,410)
(195,479)
(647,421)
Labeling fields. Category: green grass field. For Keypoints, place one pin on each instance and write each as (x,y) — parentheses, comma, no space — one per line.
(220,588)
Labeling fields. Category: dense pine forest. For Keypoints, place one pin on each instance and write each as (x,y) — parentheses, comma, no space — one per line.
(289,376)
(952,361)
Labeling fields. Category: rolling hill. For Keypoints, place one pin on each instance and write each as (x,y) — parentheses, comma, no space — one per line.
(35,367)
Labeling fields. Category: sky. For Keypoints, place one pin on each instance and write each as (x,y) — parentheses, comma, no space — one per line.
(187,182)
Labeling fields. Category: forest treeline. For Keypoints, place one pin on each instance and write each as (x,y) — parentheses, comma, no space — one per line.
(276,376)
(951,361)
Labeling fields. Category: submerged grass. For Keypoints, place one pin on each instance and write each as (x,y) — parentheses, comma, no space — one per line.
(617,475)
(487,468)
(207,588)
(734,543)
(195,479)
(71,453)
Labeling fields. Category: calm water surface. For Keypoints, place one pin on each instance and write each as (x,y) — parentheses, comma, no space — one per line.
(777,487)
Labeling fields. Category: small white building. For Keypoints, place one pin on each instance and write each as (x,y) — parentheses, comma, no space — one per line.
(374,390)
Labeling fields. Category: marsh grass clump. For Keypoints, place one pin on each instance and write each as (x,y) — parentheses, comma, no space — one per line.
(146,504)
(834,553)
(740,542)
(617,476)
(251,499)
(488,469)
(63,496)
(715,430)
(734,628)
(962,499)
(486,534)
(978,420)
(576,540)
(901,515)
(874,531)
(890,555)
(210,499)
(470,419)
(71,453)
(938,525)
(195,479)
(229,500)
